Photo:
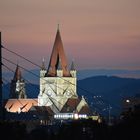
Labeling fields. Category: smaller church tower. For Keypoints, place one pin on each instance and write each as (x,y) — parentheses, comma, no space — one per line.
(17,87)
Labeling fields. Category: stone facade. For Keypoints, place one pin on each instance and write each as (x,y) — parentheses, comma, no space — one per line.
(58,87)
(58,84)
(17,87)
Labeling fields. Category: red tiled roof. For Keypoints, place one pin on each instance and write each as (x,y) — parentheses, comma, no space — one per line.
(85,110)
(15,105)
(71,105)
(42,109)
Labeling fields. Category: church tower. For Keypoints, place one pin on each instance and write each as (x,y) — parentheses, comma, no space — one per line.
(58,88)
(59,83)
(17,87)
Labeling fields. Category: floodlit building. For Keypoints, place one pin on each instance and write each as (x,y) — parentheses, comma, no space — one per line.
(58,84)
(17,87)
(58,88)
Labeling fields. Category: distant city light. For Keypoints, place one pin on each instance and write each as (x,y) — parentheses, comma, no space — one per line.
(127,101)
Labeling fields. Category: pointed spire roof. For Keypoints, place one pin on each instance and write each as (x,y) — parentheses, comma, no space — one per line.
(17,75)
(43,64)
(57,54)
(72,66)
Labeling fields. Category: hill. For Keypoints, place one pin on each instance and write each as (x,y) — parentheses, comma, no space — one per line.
(104,91)
(82,74)
(100,91)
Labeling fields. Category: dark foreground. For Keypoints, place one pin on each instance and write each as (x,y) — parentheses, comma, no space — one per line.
(126,129)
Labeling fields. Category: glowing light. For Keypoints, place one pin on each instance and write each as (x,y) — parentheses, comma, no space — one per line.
(76,116)
(128,101)
(70,116)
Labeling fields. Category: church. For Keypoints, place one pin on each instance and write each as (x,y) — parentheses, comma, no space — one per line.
(58,88)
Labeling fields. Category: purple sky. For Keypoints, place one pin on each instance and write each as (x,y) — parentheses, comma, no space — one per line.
(95,33)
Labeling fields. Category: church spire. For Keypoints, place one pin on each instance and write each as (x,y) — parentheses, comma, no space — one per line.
(57,54)
(17,89)
(17,75)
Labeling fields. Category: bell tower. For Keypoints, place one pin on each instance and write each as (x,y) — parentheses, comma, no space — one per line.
(17,87)
(59,83)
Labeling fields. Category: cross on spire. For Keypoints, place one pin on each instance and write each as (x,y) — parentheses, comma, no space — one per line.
(17,75)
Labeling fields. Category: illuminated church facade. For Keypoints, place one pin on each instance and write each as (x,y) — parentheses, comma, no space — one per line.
(17,86)
(58,87)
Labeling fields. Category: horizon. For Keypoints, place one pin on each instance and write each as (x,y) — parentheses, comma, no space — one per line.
(81,74)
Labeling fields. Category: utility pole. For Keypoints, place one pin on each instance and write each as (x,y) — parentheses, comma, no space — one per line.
(1,101)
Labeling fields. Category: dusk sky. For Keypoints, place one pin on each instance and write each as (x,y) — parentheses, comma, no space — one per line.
(95,33)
